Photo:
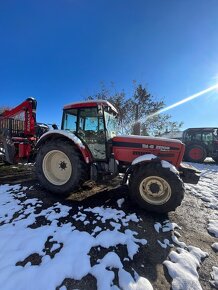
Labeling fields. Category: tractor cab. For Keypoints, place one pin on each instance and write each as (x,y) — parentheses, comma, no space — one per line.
(200,143)
(94,122)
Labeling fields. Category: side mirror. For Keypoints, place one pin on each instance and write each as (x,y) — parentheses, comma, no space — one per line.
(54,126)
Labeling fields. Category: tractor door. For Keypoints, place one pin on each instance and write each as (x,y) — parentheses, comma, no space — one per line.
(208,140)
(91,130)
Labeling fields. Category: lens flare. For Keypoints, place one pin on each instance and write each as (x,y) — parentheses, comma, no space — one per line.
(210,89)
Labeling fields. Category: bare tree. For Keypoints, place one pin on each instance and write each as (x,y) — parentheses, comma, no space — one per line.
(135,112)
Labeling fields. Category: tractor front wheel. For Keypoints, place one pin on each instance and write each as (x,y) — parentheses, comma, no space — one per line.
(59,167)
(155,188)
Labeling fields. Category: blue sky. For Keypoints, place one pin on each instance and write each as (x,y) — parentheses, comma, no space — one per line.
(60,50)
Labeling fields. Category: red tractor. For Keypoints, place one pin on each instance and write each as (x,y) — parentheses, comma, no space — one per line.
(200,143)
(87,148)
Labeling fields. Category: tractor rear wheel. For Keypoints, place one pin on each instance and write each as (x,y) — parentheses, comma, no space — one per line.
(195,153)
(155,188)
(59,167)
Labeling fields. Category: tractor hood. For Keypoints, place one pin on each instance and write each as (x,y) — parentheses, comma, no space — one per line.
(127,148)
(145,139)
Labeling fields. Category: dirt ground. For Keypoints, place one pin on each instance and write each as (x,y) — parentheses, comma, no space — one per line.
(192,216)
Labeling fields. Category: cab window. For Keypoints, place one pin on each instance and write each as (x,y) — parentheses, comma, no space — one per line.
(207,136)
(70,120)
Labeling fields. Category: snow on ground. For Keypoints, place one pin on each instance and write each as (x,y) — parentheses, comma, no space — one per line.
(207,191)
(207,187)
(69,251)
(65,248)
(184,261)
(214,276)
(215,246)
(166,227)
(182,267)
(213,227)
(120,202)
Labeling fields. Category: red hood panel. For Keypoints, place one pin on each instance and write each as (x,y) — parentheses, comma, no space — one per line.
(127,148)
(146,140)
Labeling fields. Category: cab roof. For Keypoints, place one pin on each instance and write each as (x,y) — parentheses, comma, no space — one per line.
(201,129)
(91,103)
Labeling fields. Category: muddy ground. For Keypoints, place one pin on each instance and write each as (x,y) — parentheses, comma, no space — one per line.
(192,216)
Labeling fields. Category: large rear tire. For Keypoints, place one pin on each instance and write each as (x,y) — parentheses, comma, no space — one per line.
(155,188)
(59,167)
(195,153)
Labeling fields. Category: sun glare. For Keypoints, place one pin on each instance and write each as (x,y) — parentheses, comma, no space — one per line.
(183,101)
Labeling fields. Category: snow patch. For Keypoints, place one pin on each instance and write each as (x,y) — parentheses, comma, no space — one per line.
(70,247)
(120,202)
(213,227)
(146,157)
(118,216)
(167,226)
(182,267)
(96,229)
(68,134)
(109,238)
(166,243)
(172,168)
(215,246)
(157,227)
(32,201)
(214,276)
(105,276)
(177,242)
(207,187)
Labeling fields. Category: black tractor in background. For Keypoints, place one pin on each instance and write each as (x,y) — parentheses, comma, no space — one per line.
(200,143)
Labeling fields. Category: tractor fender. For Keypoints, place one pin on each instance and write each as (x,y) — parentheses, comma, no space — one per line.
(148,158)
(55,134)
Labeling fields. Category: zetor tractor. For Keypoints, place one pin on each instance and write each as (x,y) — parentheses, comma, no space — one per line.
(87,148)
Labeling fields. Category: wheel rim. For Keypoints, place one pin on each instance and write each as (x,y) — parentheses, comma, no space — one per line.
(196,153)
(57,167)
(155,190)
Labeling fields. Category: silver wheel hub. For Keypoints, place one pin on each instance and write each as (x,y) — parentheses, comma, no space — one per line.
(155,190)
(57,167)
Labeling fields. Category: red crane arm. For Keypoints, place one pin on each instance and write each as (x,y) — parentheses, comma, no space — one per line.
(29,109)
